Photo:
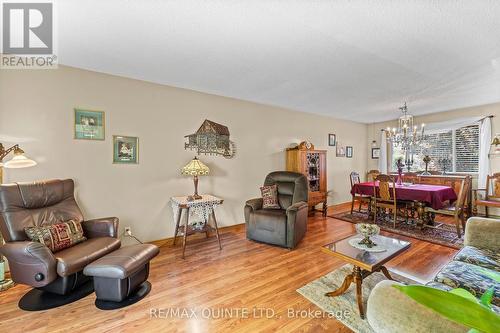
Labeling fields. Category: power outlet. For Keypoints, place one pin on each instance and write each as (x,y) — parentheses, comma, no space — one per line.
(128,231)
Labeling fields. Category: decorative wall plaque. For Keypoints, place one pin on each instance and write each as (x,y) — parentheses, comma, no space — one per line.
(211,139)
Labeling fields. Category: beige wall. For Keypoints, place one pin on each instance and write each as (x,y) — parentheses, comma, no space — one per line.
(36,108)
(483,110)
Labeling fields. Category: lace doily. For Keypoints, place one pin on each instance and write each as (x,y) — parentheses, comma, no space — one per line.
(201,208)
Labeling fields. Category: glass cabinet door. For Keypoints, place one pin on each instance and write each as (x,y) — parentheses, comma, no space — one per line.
(313,171)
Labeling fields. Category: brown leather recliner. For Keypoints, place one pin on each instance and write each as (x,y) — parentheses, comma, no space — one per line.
(286,226)
(47,202)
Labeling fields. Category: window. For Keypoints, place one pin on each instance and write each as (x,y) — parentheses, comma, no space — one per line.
(452,151)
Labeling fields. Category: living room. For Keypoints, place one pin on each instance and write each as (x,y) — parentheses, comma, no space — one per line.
(198,115)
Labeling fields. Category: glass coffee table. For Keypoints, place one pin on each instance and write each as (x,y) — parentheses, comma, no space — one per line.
(364,262)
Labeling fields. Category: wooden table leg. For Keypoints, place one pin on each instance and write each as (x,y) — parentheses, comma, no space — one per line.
(216,229)
(426,218)
(355,277)
(206,228)
(421,221)
(431,217)
(184,239)
(386,273)
(177,222)
(343,288)
(358,279)
(325,208)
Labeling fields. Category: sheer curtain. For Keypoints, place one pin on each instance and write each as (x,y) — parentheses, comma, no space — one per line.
(382,161)
(484,149)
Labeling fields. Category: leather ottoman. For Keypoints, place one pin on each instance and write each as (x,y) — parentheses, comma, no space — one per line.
(120,277)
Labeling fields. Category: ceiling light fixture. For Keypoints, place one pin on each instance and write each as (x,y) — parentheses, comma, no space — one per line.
(407,135)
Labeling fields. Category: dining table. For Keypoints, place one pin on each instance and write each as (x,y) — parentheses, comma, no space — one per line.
(423,195)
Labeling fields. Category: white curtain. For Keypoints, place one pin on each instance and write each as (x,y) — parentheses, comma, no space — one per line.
(484,149)
(382,161)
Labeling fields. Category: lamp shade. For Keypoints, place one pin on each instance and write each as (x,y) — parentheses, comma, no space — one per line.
(19,161)
(195,168)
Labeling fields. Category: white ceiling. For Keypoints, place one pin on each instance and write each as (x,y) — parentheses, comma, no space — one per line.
(357,60)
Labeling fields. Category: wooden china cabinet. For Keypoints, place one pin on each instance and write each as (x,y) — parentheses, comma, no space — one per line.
(312,163)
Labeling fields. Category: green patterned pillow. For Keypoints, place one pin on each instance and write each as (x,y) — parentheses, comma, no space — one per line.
(57,236)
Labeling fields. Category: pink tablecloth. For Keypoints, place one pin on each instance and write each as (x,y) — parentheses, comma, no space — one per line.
(434,195)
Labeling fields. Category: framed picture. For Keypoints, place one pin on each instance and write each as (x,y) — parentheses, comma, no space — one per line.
(348,151)
(332,139)
(125,149)
(340,151)
(89,125)
(375,153)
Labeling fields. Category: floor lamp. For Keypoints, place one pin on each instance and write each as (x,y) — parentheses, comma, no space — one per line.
(18,161)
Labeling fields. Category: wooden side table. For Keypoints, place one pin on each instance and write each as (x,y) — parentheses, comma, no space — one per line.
(204,208)
(364,263)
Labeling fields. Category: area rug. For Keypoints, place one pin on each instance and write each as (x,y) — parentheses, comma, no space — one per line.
(344,307)
(446,234)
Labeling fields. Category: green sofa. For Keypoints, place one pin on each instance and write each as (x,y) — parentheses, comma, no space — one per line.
(389,310)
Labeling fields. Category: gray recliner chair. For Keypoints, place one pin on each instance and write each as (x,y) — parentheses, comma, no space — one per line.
(286,226)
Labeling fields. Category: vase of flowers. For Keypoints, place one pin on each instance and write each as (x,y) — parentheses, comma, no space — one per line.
(367,230)
(400,165)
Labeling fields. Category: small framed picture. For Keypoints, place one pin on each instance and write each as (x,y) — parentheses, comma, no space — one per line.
(125,149)
(375,153)
(332,139)
(340,151)
(348,151)
(89,125)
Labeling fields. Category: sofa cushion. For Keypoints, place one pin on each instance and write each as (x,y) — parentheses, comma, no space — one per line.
(445,287)
(57,236)
(479,257)
(438,285)
(270,197)
(75,258)
(475,279)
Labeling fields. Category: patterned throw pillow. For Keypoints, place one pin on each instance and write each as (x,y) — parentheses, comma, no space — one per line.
(57,236)
(270,197)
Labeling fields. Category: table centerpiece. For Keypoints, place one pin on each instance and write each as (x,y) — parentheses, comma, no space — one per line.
(367,230)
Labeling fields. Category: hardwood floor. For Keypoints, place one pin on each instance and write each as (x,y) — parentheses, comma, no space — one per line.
(243,276)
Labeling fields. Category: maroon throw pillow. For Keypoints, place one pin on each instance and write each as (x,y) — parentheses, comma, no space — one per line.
(270,197)
(57,236)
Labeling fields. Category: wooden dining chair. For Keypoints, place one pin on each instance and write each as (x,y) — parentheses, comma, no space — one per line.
(491,194)
(371,175)
(355,179)
(414,178)
(384,196)
(458,208)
